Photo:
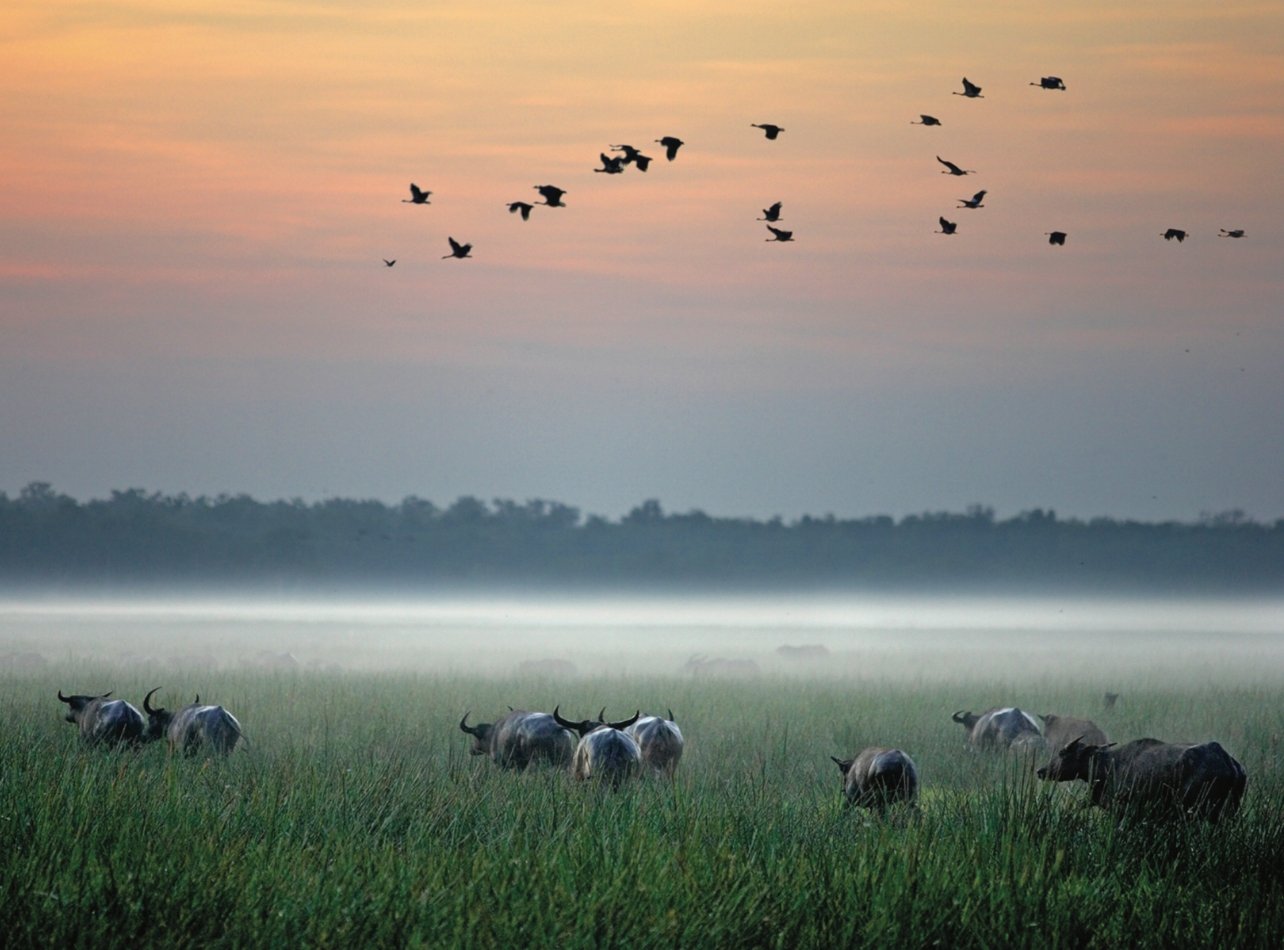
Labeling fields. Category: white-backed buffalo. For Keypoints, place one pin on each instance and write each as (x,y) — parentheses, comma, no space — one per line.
(605,752)
(193,728)
(660,743)
(103,720)
(1001,728)
(1060,731)
(518,738)
(1195,779)
(879,777)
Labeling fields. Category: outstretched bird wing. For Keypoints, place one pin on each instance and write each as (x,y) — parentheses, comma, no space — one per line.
(954,169)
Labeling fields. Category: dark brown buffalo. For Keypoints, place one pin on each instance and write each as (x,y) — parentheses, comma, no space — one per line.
(1060,731)
(606,752)
(1164,778)
(193,728)
(518,738)
(1003,727)
(879,777)
(103,720)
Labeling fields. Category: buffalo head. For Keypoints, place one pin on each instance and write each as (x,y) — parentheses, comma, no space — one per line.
(481,734)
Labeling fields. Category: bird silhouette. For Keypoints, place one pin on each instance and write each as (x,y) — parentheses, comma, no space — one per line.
(970,89)
(611,164)
(630,153)
(952,169)
(947,227)
(389,263)
(457,250)
(417,196)
(522,207)
(927,120)
(1056,237)
(1237,233)
(643,162)
(1171,233)
(771,130)
(772,213)
(1049,82)
(552,195)
(671,145)
(779,234)
(974,201)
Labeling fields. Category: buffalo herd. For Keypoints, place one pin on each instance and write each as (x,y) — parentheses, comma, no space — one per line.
(1163,778)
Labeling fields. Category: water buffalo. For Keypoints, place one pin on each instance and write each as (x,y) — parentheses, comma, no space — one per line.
(518,738)
(1060,731)
(1196,779)
(193,727)
(1001,728)
(110,721)
(879,777)
(605,752)
(660,742)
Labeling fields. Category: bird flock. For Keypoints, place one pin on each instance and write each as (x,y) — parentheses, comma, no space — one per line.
(619,158)
(1055,238)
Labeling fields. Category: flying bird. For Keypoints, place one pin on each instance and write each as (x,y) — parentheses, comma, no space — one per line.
(457,250)
(1049,82)
(947,227)
(522,207)
(630,153)
(771,130)
(779,234)
(643,162)
(389,263)
(974,201)
(552,195)
(772,213)
(952,169)
(1237,233)
(927,120)
(417,196)
(1177,233)
(611,164)
(671,145)
(1056,237)
(970,89)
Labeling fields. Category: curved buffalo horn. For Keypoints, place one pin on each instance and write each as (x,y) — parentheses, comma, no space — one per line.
(577,727)
(147,704)
(197,700)
(959,716)
(671,719)
(601,716)
(624,723)
(464,727)
(65,699)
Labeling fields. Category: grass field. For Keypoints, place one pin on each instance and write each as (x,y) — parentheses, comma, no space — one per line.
(355,816)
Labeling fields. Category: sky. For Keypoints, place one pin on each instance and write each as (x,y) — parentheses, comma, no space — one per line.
(198,200)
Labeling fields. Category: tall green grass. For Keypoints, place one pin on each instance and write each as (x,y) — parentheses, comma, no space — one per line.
(356,817)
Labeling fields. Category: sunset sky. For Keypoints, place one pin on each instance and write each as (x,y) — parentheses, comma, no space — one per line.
(197,200)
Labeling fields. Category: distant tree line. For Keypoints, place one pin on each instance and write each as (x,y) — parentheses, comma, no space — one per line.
(135,537)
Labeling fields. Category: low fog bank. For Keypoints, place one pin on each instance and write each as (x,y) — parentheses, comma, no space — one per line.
(735,638)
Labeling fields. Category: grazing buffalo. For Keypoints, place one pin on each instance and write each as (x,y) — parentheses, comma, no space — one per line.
(518,738)
(1001,728)
(1196,779)
(879,777)
(605,752)
(660,742)
(193,727)
(110,721)
(1060,731)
